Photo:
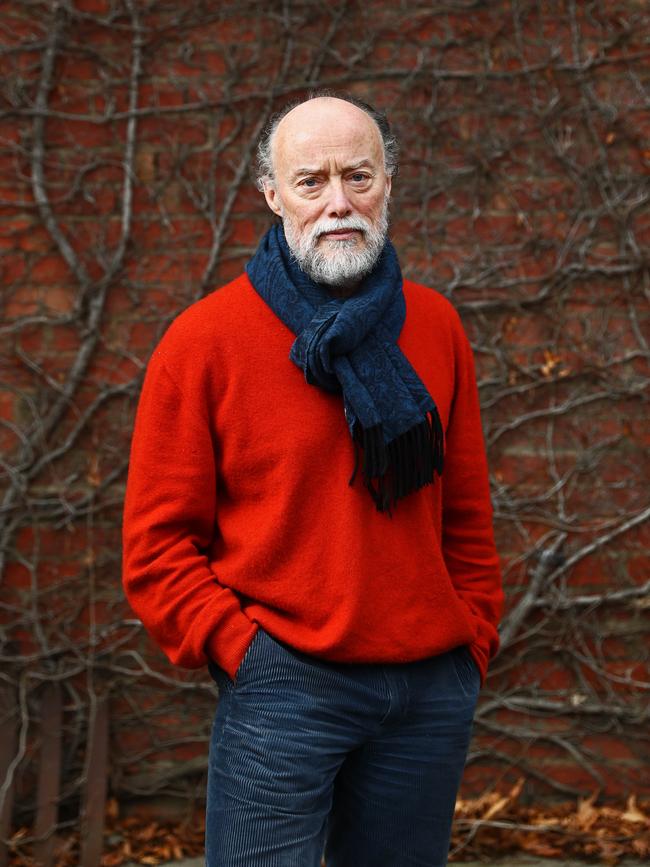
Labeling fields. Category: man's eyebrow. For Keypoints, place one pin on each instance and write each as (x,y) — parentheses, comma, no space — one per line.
(305,171)
(311,170)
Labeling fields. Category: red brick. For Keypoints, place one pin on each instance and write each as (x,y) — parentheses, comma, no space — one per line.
(243,232)
(482,776)
(111,369)
(519,469)
(50,269)
(35,239)
(12,268)
(94,7)
(544,675)
(638,568)
(78,133)
(64,339)
(58,573)
(8,401)
(17,575)
(48,541)
(609,747)
(620,781)
(143,336)
(572,775)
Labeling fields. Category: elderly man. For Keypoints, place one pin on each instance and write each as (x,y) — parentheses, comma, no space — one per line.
(308,511)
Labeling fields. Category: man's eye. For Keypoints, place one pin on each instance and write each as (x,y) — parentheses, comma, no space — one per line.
(359,177)
(309,182)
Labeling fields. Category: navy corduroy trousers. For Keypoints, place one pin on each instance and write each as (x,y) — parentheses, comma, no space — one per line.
(360,763)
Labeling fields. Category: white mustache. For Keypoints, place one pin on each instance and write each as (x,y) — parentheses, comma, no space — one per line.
(344,225)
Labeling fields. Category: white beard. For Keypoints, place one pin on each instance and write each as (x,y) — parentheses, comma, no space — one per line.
(338,263)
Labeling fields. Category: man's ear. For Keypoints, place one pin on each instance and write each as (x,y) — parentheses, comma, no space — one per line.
(272,198)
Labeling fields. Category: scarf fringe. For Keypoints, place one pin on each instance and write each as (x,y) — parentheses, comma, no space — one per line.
(406,464)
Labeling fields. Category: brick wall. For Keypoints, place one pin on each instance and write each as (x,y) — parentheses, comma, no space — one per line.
(126,139)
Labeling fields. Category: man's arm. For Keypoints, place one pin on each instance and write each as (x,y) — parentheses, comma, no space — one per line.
(169,517)
(468,539)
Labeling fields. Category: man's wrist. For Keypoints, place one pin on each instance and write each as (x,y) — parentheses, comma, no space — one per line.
(227,647)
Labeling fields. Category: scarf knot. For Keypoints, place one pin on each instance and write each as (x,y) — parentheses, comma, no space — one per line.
(349,346)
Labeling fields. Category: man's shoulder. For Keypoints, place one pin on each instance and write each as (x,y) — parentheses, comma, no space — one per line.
(216,307)
(423,300)
(222,312)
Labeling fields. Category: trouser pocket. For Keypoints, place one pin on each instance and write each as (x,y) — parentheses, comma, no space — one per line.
(466,669)
(222,677)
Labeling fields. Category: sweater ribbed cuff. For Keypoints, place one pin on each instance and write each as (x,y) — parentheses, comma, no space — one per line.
(228,645)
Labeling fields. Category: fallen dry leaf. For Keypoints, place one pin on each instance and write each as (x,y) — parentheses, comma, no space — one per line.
(112,808)
(538,847)
(633,814)
(512,795)
(113,859)
(586,814)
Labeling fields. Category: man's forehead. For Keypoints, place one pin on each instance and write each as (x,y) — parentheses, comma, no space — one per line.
(326,120)
(324,124)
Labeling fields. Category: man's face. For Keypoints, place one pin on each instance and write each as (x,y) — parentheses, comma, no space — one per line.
(331,189)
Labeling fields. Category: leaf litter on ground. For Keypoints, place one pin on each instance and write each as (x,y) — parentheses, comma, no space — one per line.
(494,825)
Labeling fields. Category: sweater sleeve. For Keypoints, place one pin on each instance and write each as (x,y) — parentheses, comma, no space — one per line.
(467,535)
(168,525)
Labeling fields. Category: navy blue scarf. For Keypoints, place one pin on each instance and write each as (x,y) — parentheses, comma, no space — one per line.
(349,345)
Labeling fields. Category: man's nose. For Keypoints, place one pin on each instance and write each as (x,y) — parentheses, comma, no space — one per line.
(339,204)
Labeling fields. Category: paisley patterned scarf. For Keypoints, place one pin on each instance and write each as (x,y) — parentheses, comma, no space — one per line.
(349,346)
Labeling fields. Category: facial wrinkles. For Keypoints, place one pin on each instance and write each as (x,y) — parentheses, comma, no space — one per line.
(332,172)
(344,261)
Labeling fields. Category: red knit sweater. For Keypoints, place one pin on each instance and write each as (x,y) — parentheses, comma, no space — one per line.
(238,510)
